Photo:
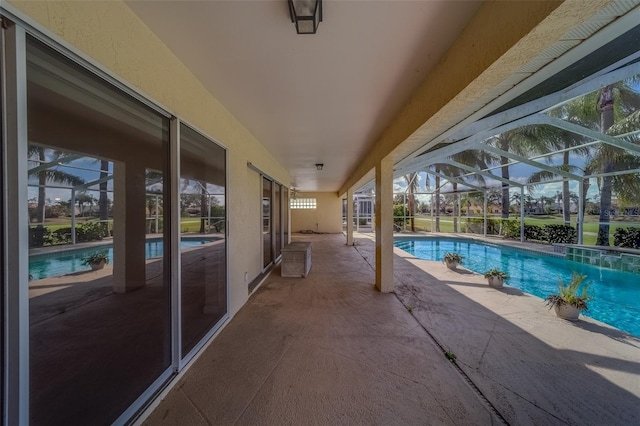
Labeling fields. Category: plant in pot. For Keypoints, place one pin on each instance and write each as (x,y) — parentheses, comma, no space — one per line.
(96,261)
(452,260)
(570,299)
(496,277)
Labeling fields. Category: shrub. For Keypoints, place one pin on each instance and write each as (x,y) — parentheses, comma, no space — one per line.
(563,234)
(511,228)
(89,231)
(37,236)
(59,236)
(475,225)
(152,226)
(534,232)
(398,213)
(627,237)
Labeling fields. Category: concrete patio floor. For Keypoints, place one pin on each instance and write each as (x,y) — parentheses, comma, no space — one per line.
(330,349)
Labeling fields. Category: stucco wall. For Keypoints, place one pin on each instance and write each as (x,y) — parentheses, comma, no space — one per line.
(326,217)
(111,35)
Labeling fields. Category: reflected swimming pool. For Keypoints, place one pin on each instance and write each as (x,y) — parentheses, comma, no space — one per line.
(70,261)
(616,294)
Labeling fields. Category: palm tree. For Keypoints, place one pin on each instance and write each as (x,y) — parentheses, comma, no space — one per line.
(412,183)
(626,187)
(618,100)
(552,139)
(599,110)
(204,205)
(81,198)
(103,201)
(48,175)
(473,158)
(518,141)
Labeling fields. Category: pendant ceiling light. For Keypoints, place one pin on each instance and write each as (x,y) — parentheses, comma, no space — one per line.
(306,14)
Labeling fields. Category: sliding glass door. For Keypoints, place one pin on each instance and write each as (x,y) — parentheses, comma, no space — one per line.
(203,236)
(267,221)
(100,333)
(275,220)
(114,252)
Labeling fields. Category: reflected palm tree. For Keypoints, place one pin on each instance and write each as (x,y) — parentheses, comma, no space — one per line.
(46,173)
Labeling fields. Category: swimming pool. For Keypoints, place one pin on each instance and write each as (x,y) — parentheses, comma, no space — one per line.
(616,294)
(70,261)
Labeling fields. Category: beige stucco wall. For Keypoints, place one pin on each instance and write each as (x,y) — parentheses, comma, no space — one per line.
(326,217)
(111,35)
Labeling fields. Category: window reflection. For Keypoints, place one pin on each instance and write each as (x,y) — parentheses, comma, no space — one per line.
(97,160)
(266,222)
(203,231)
(277,223)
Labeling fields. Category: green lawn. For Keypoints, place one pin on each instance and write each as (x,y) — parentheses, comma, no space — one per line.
(187,224)
(424,223)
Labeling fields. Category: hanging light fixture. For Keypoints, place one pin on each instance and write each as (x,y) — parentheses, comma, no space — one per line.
(319,166)
(306,14)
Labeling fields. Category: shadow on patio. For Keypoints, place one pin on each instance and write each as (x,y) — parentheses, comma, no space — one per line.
(330,349)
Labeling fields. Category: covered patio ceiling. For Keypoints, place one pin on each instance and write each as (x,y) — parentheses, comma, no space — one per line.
(479,138)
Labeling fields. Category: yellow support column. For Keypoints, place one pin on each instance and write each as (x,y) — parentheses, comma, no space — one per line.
(384,225)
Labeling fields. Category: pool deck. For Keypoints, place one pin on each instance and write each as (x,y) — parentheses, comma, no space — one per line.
(330,349)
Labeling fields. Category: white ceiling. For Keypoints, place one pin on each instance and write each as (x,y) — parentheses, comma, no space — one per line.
(322,98)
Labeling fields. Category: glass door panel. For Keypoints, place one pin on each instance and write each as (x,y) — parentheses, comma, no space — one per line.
(266,223)
(277,216)
(203,236)
(99,294)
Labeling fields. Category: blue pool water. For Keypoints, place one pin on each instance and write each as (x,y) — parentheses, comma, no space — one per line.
(616,295)
(70,261)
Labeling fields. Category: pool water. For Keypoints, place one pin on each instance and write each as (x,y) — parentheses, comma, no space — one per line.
(616,294)
(70,261)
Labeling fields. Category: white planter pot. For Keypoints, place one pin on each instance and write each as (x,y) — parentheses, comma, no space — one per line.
(96,266)
(452,264)
(495,282)
(567,312)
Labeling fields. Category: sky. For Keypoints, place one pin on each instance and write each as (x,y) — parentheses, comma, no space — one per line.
(519,173)
(88,169)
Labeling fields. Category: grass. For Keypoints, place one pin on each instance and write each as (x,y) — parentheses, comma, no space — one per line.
(187,224)
(423,223)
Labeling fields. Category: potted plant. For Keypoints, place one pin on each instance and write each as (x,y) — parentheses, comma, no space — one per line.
(496,277)
(452,260)
(96,261)
(570,300)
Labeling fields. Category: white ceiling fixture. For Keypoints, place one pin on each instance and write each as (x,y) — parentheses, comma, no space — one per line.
(306,14)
